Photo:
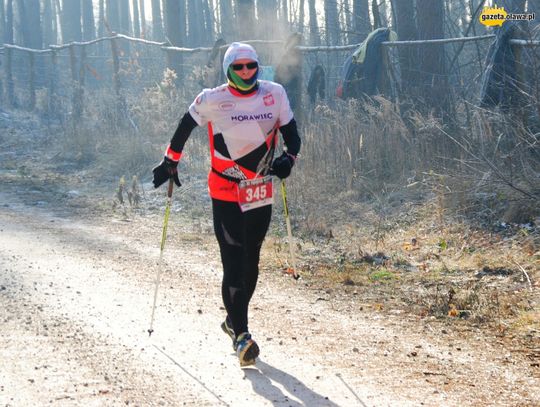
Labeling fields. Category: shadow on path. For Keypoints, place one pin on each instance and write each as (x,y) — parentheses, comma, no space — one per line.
(262,381)
(195,378)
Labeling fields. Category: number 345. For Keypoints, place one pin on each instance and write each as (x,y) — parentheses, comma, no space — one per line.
(256,193)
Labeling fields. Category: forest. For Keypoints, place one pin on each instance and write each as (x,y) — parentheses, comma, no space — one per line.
(480,82)
(417,187)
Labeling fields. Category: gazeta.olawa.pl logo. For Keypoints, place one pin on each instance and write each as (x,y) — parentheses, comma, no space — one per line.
(493,16)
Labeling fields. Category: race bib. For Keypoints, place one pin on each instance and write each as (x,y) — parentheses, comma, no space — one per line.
(254,193)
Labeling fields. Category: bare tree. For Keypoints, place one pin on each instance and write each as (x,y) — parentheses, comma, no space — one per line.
(433,77)
(194,18)
(136,19)
(175,24)
(26,16)
(377,19)
(346,18)
(383,10)
(8,32)
(245,13)
(301,16)
(533,6)
(226,19)
(284,13)
(71,21)
(48,24)
(208,22)
(34,20)
(267,18)
(89,28)
(125,17)
(360,20)
(101,18)
(403,11)
(2,20)
(157,22)
(513,6)
(112,15)
(143,18)
(314,37)
(331,22)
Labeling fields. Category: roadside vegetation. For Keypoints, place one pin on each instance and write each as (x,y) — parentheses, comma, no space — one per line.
(403,213)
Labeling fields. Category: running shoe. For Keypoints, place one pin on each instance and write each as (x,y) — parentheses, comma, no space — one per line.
(247,349)
(226,327)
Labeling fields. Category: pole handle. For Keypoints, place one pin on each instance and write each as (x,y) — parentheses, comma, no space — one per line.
(170,188)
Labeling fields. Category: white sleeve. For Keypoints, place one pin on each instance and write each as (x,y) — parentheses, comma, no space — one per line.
(199,109)
(285,112)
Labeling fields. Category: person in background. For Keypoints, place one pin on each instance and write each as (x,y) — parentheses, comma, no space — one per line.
(244,117)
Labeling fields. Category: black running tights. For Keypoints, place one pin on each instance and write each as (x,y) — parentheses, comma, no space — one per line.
(240,237)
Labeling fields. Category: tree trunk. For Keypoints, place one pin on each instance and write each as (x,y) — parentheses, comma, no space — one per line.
(226,25)
(267,19)
(383,12)
(377,22)
(175,24)
(125,17)
(331,22)
(314,37)
(8,32)
(533,6)
(29,17)
(346,21)
(2,31)
(71,21)
(136,19)
(101,20)
(433,80)
(113,15)
(48,38)
(21,26)
(245,13)
(208,22)
(157,22)
(34,20)
(55,20)
(194,18)
(2,23)
(285,20)
(403,11)
(301,16)
(89,28)
(143,18)
(361,24)
(513,6)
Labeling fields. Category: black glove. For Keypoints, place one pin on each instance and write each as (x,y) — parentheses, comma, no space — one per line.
(165,170)
(281,167)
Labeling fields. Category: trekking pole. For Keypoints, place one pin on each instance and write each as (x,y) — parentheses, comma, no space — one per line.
(163,237)
(289,231)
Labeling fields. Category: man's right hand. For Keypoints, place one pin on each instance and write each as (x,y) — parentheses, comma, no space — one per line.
(165,170)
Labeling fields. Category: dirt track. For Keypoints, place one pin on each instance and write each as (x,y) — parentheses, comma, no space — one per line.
(75,302)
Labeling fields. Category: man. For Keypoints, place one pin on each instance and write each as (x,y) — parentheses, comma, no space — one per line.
(243,118)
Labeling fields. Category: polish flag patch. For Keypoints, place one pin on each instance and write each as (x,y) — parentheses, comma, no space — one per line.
(268,100)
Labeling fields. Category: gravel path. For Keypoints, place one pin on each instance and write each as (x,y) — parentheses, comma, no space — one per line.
(75,302)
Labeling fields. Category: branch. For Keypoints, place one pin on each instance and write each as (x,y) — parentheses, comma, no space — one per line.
(483,158)
(524,272)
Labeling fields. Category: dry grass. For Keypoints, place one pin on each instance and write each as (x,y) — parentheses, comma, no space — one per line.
(408,213)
